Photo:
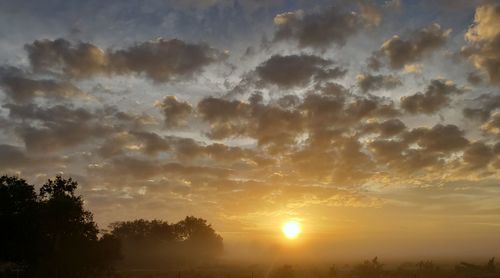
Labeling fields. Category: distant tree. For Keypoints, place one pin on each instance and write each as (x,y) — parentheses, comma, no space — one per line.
(285,271)
(199,236)
(332,272)
(51,234)
(143,229)
(490,266)
(158,244)
(371,268)
(427,266)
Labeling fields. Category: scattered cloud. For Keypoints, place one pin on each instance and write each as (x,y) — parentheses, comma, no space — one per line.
(368,82)
(160,60)
(484,41)
(404,52)
(436,96)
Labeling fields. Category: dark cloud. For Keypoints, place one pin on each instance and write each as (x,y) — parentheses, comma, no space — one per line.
(387,151)
(335,106)
(484,41)
(146,169)
(297,70)
(269,124)
(368,82)
(188,149)
(482,107)
(386,128)
(15,159)
(474,78)
(46,129)
(288,101)
(439,138)
(12,157)
(143,142)
(21,89)
(401,52)
(80,60)
(150,142)
(160,60)
(397,157)
(478,155)
(319,30)
(436,96)
(176,112)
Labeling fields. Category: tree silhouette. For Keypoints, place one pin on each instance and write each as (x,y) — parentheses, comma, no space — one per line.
(51,234)
(158,244)
(199,236)
(371,268)
(18,218)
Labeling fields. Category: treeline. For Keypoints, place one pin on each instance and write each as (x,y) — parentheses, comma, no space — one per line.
(375,269)
(158,245)
(49,233)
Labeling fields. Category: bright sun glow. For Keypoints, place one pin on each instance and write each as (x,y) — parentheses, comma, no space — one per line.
(291,229)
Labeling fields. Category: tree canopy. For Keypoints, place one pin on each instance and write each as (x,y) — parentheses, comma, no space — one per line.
(51,234)
(158,244)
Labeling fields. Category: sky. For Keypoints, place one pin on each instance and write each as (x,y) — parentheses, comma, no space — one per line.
(374,124)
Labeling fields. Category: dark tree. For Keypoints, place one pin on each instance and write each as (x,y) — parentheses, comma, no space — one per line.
(51,234)
(68,229)
(285,271)
(157,244)
(19,221)
(144,229)
(199,237)
(371,268)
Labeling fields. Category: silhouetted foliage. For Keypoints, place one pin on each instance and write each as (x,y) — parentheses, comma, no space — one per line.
(19,221)
(370,268)
(332,272)
(158,244)
(473,269)
(50,234)
(285,271)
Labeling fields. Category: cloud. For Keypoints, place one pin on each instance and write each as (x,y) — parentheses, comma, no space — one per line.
(386,128)
(474,78)
(370,13)
(492,125)
(368,82)
(482,107)
(288,17)
(142,142)
(401,52)
(48,129)
(160,60)
(22,89)
(269,124)
(478,155)
(146,169)
(297,70)
(176,112)
(436,96)
(12,157)
(486,19)
(483,36)
(318,30)
(440,138)
(16,160)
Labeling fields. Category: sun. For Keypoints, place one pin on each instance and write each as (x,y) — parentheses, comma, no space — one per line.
(291,229)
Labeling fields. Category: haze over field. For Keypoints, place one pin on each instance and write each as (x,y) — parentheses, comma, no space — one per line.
(370,127)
